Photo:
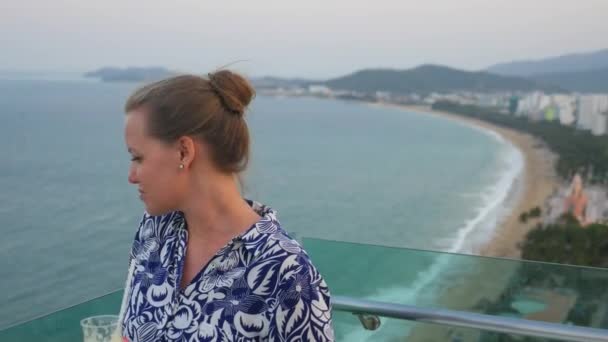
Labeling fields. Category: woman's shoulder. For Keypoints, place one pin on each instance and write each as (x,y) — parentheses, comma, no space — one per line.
(287,254)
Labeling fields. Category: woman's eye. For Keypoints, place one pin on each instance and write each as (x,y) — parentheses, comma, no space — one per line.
(136,159)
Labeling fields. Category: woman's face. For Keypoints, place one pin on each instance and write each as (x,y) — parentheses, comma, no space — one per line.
(155,166)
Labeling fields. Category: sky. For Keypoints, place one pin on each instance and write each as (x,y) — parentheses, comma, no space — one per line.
(311,38)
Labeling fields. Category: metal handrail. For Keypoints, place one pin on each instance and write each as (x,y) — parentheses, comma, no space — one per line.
(469,320)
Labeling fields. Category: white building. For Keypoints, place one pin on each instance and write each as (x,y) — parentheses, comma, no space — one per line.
(586,113)
(383,96)
(523,107)
(319,90)
(599,128)
(488,100)
(592,110)
(532,105)
(566,106)
(544,102)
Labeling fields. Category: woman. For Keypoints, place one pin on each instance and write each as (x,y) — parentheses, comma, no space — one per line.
(207,265)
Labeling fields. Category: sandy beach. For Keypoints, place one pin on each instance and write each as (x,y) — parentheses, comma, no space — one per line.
(538,181)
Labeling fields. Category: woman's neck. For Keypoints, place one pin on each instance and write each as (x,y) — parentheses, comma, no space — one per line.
(216,211)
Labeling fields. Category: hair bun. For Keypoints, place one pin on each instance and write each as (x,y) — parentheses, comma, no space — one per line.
(234,91)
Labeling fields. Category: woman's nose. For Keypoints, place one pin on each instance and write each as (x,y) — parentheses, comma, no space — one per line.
(133,175)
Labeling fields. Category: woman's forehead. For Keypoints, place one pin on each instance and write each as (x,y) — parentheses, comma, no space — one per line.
(135,121)
(135,128)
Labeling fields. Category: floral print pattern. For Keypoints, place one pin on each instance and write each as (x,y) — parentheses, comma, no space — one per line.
(260,287)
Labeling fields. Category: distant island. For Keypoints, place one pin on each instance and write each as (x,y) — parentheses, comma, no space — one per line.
(130,74)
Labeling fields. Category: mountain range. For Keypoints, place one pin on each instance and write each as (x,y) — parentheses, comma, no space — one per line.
(434,78)
(577,62)
(581,72)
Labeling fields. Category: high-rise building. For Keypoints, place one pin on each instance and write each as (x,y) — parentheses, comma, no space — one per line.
(565,108)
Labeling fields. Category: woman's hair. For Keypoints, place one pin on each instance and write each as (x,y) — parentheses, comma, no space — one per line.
(209,109)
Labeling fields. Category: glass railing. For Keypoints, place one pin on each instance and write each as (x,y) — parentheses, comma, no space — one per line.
(560,294)
(62,325)
(500,287)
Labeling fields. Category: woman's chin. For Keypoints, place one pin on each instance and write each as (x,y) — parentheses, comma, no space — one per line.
(150,209)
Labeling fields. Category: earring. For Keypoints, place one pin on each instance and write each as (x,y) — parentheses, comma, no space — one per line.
(181,166)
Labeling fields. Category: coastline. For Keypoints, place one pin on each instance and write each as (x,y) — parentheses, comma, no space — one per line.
(534,185)
(537,182)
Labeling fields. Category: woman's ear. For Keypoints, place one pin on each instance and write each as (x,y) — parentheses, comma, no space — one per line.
(187,150)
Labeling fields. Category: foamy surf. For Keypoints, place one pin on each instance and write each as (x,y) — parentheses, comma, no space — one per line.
(496,200)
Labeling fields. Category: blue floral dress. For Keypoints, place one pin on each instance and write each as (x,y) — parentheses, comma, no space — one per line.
(259,287)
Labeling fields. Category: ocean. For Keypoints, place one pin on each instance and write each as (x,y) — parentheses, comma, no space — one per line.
(333,170)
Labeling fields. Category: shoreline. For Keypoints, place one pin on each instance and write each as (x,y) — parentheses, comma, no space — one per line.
(534,185)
